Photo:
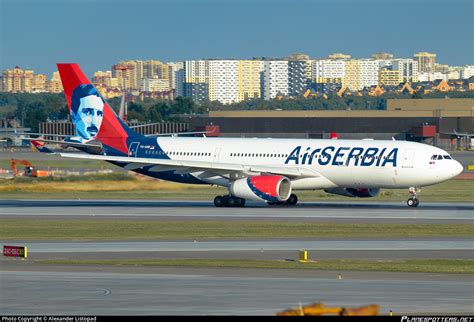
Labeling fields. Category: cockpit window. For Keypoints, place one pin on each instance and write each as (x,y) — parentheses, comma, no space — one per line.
(447,157)
(434,157)
(440,157)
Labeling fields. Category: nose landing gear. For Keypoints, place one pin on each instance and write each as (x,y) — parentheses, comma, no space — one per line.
(413,200)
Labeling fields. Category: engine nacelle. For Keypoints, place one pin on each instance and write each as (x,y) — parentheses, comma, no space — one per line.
(267,188)
(354,192)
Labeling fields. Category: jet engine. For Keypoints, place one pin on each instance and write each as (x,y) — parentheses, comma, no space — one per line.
(354,192)
(271,188)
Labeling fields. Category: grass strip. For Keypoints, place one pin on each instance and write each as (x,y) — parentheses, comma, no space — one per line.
(464,266)
(106,229)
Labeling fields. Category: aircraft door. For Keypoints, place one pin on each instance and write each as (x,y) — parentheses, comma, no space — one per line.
(408,158)
(133,149)
(216,157)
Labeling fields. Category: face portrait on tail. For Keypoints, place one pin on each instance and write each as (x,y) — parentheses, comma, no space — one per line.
(87,111)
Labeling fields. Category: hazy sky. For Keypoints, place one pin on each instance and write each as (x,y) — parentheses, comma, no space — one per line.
(97,33)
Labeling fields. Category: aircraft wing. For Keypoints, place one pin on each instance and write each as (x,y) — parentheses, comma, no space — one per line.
(91,146)
(195,166)
(454,132)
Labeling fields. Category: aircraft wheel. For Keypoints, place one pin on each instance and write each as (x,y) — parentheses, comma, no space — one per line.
(417,202)
(292,200)
(240,202)
(413,202)
(219,201)
(232,202)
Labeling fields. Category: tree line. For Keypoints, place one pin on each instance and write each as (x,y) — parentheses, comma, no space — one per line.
(31,109)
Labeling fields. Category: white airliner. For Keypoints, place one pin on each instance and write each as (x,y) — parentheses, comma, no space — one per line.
(267,170)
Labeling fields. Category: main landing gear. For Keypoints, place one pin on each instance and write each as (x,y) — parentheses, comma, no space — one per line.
(413,200)
(291,201)
(229,201)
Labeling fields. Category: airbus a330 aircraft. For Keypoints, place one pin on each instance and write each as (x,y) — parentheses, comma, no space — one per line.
(267,170)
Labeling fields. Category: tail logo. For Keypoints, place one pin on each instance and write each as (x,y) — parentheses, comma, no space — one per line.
(87,111)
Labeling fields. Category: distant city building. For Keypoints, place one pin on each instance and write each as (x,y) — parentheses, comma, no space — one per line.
(196,80)
(154,85)
(430,77)
(275,79)
(176,77)
(130,72)
(55,85)
(18,80)
(229,81)
(327,87)
(426,61)
(389,77)
(155,69)
(361,73)
(179,81)
(339,56)
(308,70)
(105,78)
(296,77)
(382,56)
(124,72)
(467,71)
(442,68)
(40,83)
(196,71)
(232,80)
(384,63)
(249,79)
(198,92)
(297,56)
(408,69)
(223,81)
(328,69)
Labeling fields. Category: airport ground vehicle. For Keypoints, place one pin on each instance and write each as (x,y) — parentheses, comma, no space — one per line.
(267,170)
(29,171)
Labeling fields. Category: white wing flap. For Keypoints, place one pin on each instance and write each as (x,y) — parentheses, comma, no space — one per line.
(184,165)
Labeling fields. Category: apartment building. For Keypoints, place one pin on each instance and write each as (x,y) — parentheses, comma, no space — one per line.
(426,62)
(296,77)
(223,81)
(176,77)
(249,79)
(389,77)
(328,69)
(275,78)
(408,69)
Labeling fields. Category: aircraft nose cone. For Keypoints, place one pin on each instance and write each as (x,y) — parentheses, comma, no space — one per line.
(458,168)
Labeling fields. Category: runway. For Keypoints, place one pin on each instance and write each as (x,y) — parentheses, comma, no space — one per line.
(209,293)
(35,288)
(386,212)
